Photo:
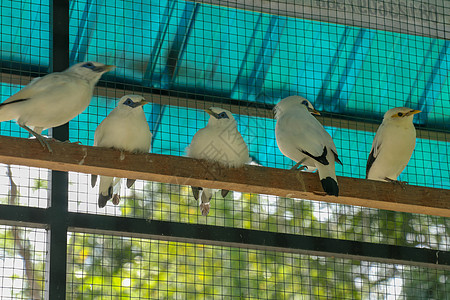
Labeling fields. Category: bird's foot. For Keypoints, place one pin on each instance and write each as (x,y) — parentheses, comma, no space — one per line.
(39,137)
(320,193)
(204,207)
(69,142)
(44,142)
(402,184)
(299,168)
(116,199)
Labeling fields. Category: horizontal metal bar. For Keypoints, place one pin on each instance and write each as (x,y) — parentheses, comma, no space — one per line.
(25,216)
(195,101)
(229,237)
(422,18)
(259,240)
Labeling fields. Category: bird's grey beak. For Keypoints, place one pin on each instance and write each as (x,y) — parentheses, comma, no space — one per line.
(314,112)
(107,68)
(413,112)
(211,113)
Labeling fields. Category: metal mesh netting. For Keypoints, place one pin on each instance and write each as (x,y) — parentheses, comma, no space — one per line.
(22,262)
(150,269)
(156,201)
(352,59)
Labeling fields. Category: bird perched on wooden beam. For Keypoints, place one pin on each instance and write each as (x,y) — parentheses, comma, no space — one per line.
(303,139)
(393,145)
(125,128)
(219,142)
(53,99)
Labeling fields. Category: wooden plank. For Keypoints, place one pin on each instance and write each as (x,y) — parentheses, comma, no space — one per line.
(332,121)
(251,179)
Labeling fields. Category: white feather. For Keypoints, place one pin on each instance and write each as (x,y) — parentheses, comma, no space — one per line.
(393,145)
(54,99)
(125,128)
(218,142)
(297,132)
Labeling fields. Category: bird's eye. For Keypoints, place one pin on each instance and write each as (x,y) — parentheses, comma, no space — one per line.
(89,65)
(223,115)
(304,102)
(128,102)
(400,114)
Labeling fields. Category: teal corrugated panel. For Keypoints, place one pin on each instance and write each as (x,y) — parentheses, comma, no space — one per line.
(25,37)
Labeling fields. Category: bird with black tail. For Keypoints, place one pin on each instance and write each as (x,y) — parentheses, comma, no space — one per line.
(125,128)
(302,138)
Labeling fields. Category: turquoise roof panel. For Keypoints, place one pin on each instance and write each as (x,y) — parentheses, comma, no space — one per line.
(198,51)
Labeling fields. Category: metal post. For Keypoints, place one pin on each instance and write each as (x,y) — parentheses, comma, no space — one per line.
(57,232)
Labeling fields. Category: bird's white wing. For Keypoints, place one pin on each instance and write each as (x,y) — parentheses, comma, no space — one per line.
(199,143)
(98,137)
(100,133)
(306,134)
(38,86)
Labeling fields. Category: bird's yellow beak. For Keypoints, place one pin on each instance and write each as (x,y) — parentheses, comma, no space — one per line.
(413,112)
(108,68)
(315,112)
(143,102)
(211,113)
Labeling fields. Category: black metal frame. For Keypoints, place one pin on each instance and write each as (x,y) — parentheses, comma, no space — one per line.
(57,232)
(222,236)
(58,220)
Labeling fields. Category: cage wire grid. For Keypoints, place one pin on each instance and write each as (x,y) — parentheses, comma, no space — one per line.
(235,272)
(225,55)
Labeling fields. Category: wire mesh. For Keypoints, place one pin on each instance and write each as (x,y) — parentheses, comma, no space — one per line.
(113,267)
(352,59)
(24,54)
(22,262)
(32,186)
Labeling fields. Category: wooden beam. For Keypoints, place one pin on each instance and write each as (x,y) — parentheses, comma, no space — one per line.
(330,120)
(250,179)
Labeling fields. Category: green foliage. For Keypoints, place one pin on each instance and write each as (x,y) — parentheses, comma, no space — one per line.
(14,242)
(122,268)
(40,184)
(111,267)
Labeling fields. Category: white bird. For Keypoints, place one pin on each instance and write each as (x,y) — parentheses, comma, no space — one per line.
(125,128)
(219,142)
(393,145)
(53,99)
(304,140)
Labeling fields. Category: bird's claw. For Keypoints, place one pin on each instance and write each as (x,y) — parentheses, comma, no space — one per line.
(69,142)
(320,193)
(39,137)
(44,143)
(298,166)
(402,184)
(204,207)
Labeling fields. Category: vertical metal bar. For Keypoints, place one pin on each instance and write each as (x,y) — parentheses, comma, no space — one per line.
(57,232)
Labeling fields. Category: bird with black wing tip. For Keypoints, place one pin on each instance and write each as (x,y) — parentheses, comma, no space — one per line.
(219,142)
(125,128)
(303,139)
(393,145)
(54,99)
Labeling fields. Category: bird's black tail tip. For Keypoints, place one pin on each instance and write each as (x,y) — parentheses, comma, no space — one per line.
(330,186)
(102,199)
